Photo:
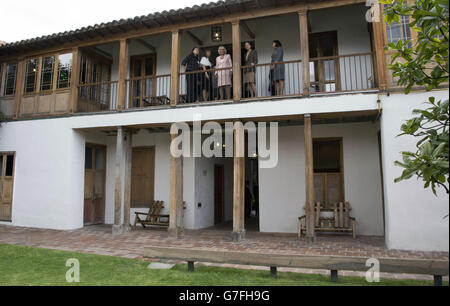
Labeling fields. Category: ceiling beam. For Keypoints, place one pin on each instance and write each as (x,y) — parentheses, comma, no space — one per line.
(197,40)
(146,44)
(100,52)
(247,30)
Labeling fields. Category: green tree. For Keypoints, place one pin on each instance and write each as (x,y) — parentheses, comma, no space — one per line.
(424,63)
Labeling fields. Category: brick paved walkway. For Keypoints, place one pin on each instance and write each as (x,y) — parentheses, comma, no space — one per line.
(99,240)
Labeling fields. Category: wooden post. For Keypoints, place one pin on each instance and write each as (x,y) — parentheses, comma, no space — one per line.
(123,68)
(117,227)
(176,225)
(175,69)
(304,49)
(127,197)
(20,83)
(74,80)
(380,56)
(239,184)
(309,173)
(236,39)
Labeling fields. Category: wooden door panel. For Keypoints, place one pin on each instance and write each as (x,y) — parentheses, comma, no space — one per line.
(7,163)
(94,185)
(5,212)
(319,185)
(334,188)
(142,176)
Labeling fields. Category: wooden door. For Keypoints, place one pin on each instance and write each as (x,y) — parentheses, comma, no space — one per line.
(219,195)
(326,72)
(94,184)
(143,81)
(142,176)
(7,161)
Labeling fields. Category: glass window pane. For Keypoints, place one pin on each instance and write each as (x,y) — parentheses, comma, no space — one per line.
(9,165)
(137,68)
(99,158)
(88,158)
(148,66)
(10,79)
(64,70)
(30,75)
(47,73)
(1,165)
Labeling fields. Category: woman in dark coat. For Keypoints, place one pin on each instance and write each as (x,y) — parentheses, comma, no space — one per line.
(191,63)
(277,68)
(251,59)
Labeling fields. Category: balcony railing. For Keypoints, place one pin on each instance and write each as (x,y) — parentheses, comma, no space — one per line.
(97,97)
(343,73)
(148,91)
(268,80)
(332,74)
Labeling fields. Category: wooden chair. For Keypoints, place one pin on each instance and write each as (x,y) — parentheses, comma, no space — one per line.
(341,221)
(153,216)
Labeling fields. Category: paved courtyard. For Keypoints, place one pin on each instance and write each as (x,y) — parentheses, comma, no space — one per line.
(99,240)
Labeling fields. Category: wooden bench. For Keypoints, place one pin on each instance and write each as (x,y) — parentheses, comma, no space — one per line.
(437,268)
(153,216)
(340,221)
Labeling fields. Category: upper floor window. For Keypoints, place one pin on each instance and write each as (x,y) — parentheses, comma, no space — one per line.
(10,79)
(64,70)
(30,75)
(397,31)
(47,67)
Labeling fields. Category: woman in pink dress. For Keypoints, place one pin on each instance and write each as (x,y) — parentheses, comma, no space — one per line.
(224,76)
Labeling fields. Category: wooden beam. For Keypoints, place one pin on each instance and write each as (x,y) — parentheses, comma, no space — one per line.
(194,38)
(236,39)
(176,227)
(248,30)
(74,80)
(146,44)
(20,83)
(325,262)
(304,50)
(239,183)
(309,178)
(380,56)
(175,69)
(123,68)
(127,191)
(252,14)
(117,226)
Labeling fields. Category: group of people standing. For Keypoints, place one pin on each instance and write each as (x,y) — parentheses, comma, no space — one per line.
(207,80)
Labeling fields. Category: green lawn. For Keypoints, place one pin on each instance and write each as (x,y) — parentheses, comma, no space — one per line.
(20,265)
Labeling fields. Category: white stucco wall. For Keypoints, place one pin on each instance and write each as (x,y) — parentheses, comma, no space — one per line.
(282,189)
(414,216)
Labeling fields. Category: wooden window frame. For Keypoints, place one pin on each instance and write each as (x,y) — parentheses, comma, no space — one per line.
(132,78)
(69,80)
(5,79)
(341,161)
(36,76)
(386,40)
(318,66)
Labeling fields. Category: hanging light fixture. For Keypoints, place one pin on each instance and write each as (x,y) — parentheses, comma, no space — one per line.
(216,34)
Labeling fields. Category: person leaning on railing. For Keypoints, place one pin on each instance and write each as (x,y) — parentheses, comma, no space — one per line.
(251,59)
(191,63)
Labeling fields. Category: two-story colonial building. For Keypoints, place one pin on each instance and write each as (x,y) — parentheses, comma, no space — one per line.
(87,137)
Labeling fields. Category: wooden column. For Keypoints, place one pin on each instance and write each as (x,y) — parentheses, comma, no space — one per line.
(380,56)
(175,68)
(304,49)
(176,224)
(127,191)
(74,79)
(123,68)
(236,39)
(239,183)
(309,179)
(117,227)
(20,83)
